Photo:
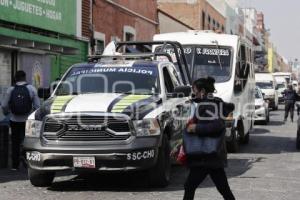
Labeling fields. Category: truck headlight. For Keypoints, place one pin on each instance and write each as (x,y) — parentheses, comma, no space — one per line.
(146,127)
(33,128)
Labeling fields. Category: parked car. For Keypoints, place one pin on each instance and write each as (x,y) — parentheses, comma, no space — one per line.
(261,108)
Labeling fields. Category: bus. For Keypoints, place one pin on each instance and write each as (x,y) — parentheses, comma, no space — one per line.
(229,59)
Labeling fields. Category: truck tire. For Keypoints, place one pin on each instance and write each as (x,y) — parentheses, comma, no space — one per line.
(159,175)
(40,178)
(233,144)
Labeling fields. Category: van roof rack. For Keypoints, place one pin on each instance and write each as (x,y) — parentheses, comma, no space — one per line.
(138,45)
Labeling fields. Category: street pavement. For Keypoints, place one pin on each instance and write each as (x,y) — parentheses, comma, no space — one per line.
(268,168)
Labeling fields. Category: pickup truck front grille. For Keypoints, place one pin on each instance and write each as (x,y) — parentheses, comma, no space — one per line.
(86,128)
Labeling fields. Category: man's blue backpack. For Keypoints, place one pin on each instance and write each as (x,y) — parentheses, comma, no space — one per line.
(20,100)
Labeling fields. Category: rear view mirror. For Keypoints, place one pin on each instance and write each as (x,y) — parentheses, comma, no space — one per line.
(182,91)
(44,93)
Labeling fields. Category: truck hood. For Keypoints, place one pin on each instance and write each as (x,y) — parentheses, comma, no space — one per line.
(102,103)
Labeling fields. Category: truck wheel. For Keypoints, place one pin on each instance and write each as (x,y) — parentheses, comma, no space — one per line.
(233,144)
(159,175)
(298,140)
(40,178)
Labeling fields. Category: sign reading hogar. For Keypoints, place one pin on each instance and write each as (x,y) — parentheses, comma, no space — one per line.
(53,15)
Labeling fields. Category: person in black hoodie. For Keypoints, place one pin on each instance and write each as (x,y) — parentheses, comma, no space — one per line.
(290,97)
(207,126)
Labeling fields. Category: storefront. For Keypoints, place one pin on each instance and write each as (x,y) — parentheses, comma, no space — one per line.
(41,38)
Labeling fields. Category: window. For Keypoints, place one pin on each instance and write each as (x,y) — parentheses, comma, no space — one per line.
(203,20)
(168,81)
(174,76)
(99,42)
(242,70)
(129,33)
(99,47)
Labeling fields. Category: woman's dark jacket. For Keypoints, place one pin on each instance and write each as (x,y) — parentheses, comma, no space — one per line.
(211,128)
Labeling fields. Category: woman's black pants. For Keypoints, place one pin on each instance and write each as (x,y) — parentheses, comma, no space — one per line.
(198,174)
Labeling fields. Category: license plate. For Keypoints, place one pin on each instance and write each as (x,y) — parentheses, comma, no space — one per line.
(84,162)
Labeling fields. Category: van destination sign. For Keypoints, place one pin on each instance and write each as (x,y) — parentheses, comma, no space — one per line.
(34,9)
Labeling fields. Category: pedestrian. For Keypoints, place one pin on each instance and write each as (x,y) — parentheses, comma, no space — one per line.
(290,98)
(20,100)
(204,126)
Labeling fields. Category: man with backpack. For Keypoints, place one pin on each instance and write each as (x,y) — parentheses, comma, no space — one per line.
(20,101)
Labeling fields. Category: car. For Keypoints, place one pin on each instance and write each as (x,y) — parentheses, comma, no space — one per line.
(261,108)
(120,112)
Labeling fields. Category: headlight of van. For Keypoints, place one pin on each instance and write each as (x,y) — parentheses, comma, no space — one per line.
(146,127)
(33,128)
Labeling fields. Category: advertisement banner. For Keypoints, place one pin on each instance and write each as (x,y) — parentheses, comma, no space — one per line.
(53,15)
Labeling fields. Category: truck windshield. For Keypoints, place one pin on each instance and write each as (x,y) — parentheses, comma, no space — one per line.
(133,80)
(265,85)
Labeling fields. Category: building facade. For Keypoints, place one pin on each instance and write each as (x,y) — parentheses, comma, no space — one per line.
(198,14)
(122,20)
(168,23)
(43,38)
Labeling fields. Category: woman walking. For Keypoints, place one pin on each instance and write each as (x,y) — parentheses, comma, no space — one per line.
(208,122)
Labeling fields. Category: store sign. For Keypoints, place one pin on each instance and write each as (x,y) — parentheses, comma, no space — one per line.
(54,15)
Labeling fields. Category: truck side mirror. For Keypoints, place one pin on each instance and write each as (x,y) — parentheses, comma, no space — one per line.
(264,95)
(182,91)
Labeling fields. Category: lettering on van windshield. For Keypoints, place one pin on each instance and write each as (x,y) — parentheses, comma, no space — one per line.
(212,51)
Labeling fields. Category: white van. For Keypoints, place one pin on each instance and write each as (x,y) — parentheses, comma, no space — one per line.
(229,59)
(286,75)
(281,86)
(267,83)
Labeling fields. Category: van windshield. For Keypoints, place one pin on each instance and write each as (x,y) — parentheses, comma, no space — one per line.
(133,80)
(208,63)
(204,61)
(280,86)
(265,85)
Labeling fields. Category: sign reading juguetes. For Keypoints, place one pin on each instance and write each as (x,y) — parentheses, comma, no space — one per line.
(54,15)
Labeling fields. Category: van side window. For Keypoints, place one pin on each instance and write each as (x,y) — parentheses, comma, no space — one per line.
(242,70)
(168,81)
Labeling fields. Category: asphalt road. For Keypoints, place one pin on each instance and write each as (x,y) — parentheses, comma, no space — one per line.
(268,168)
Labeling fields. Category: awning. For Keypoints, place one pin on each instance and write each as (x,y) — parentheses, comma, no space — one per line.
(30,44)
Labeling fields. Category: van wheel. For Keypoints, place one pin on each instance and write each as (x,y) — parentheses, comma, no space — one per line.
(40,178)
(298,140)
(159,175)
(233,144)
(246,138)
